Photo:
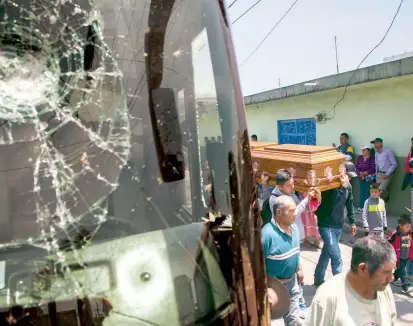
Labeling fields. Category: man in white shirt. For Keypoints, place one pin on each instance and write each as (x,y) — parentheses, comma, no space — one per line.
(362,296)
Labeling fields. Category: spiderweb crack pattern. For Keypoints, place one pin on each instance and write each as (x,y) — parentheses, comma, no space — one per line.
(68,107)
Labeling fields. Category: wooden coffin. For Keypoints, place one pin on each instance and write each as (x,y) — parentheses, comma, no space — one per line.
(310,165)
(260,145)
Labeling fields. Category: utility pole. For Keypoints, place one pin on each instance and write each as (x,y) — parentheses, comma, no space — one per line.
(335,45)
(279,82)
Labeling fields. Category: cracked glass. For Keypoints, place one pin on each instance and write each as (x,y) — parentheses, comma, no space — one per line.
(106,179)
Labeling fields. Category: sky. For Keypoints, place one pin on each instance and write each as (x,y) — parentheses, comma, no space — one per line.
(302,48)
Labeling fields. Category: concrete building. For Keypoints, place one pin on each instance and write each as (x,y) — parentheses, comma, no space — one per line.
(377,103)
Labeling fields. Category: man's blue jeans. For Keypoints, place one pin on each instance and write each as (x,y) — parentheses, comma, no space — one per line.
(401,273)
(331,250)
(292,318)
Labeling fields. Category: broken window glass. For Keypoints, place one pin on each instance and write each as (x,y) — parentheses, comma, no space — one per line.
(92,228)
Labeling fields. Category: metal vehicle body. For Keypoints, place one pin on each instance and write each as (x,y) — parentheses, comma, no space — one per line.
(102,194)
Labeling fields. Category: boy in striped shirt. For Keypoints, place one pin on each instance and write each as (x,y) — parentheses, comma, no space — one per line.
(374,213)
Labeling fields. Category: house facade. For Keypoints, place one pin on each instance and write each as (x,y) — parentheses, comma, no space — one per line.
(377,103)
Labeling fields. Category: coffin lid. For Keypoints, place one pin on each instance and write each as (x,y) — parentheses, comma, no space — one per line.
(304,154)
(261,145)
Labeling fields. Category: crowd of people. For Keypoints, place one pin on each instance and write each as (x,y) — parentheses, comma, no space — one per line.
(374,171)
(378,259)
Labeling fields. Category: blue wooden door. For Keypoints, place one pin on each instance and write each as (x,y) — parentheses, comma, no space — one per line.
(297,131)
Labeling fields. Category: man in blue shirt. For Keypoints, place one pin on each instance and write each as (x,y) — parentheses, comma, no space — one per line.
(281,242)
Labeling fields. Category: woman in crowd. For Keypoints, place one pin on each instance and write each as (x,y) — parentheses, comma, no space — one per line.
(366,170)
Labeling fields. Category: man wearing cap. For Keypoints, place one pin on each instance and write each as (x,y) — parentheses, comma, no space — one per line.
(385,166)
(366,172)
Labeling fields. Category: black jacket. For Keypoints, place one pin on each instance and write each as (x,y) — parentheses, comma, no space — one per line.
(330,213)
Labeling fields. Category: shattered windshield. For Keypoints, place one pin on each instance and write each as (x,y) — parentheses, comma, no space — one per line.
(105,173)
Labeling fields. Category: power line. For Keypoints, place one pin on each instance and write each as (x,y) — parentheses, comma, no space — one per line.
(364,59)
(232,4)
(245,12)
(239,17)
(269,33)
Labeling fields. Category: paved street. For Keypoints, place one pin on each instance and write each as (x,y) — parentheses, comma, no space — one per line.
(404,303)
